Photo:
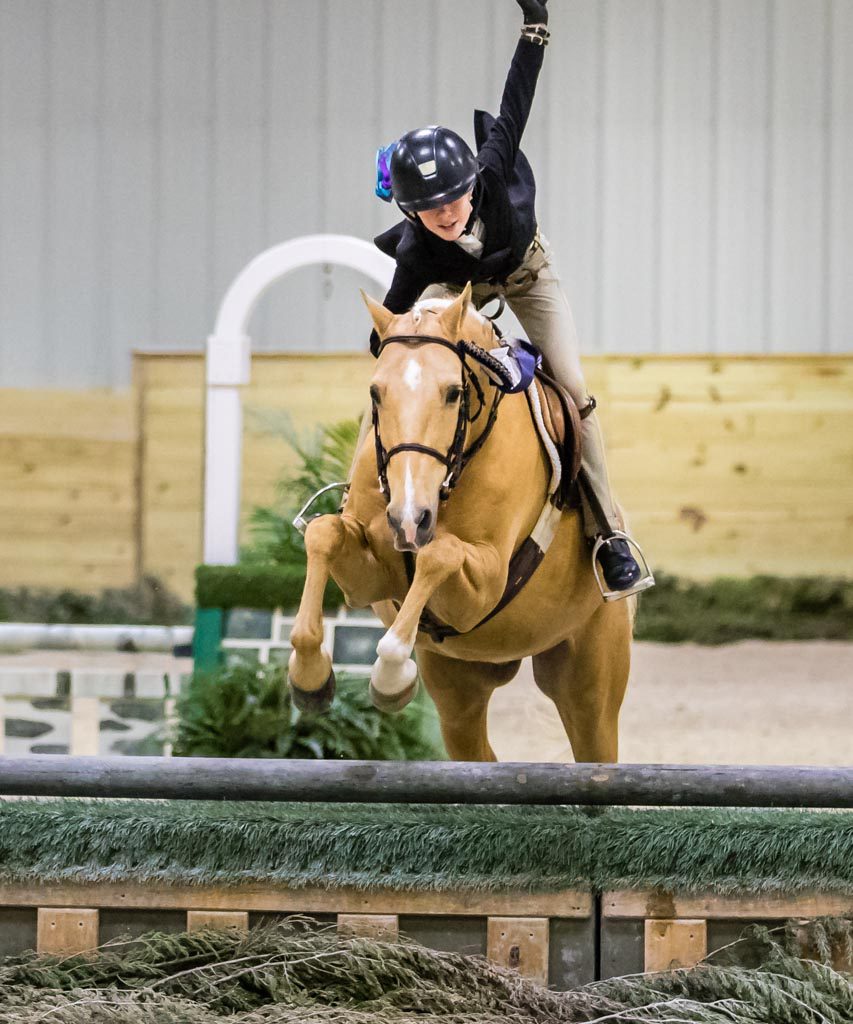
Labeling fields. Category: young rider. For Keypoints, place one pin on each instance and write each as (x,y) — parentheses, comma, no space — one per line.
(471,218)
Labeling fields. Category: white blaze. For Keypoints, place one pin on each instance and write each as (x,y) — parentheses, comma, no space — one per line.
(412,375)
(408,523)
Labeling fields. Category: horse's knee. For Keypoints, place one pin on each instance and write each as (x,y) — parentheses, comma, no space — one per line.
(324,536)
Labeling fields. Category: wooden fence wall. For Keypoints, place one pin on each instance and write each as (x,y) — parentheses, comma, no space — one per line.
(726,465)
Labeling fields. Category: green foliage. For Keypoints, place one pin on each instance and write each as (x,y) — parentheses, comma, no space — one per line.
(323,459)
(292,972)
(253,586)
(246,711)
(762,607)
(148,602)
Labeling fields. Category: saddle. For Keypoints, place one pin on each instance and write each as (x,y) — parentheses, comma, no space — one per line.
(562,422)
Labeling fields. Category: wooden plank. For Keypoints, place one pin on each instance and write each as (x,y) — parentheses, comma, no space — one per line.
(647,904)
(64,931)
(370,926)
(671,944)
(521,944)
(218,919)
(256,897)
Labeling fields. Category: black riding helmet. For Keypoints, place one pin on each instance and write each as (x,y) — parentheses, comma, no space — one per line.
(430,167)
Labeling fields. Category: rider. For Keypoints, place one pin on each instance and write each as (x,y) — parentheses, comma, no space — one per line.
(471,218)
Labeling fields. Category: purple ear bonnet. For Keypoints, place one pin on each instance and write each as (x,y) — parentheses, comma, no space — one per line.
(383,171)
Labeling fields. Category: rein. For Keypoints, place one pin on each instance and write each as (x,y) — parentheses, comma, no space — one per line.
(457,456)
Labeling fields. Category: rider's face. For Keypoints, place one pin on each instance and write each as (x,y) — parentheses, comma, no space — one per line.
(448,221)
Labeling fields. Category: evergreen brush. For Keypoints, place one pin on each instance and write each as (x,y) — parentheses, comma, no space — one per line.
(426,848)
(289,973)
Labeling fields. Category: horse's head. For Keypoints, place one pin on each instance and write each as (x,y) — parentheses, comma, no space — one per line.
(422,403)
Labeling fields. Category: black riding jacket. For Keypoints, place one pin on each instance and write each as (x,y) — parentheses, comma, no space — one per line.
(504,197)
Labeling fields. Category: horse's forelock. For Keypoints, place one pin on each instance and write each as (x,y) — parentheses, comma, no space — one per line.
(438,305)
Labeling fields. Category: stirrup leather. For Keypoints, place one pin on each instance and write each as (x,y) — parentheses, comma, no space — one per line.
(645,582)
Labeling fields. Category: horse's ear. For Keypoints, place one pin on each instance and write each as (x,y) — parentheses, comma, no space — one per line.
(451,319)
(381,316)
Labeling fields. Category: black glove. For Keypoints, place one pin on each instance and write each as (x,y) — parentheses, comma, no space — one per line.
(535,11)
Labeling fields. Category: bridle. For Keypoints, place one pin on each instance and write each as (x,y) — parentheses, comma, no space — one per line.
(457,455)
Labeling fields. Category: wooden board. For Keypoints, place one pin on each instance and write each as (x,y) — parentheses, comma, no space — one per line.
(521,944)
(665,905)
(251,897)
(220,919)
(68,500)
(67,930)
(725,465)
(670,944)
(370,926)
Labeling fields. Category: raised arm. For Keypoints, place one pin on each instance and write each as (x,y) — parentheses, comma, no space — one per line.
(499,150)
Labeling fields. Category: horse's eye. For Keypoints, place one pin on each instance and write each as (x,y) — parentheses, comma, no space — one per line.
(454,393)
(375,397)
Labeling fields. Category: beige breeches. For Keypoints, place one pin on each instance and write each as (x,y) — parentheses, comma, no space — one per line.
(535,295)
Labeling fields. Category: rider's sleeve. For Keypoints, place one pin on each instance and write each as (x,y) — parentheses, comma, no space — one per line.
(402,295)
(405,288)
(499,150)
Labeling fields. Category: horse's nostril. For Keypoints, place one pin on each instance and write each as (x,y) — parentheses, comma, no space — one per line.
(425,519)
(393,521)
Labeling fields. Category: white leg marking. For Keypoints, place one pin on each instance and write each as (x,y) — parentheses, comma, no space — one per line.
(393,671)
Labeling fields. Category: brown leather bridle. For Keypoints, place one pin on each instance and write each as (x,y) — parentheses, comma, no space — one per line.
(457,455)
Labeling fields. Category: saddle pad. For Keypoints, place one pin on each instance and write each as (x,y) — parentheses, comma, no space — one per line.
(563,423)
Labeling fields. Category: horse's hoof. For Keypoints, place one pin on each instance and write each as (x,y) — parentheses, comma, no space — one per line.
(395,702)
(313,701)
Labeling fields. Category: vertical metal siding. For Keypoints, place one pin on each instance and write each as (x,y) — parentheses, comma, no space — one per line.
(693,159)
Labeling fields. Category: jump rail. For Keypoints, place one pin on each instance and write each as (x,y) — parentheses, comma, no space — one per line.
(427,782)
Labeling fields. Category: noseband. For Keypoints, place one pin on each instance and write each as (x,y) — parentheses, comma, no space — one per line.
(457,455)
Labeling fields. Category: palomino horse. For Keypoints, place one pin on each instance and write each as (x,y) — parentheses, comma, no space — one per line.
(430,406)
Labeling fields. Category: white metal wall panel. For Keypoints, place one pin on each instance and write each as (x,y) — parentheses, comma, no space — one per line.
(569,195)
(298,175)
(687,59)
(693,159)
(629,267)
(240,129)
(840,178)
(127,287)
(75,216)
(23,177)
(185,294)
(798,271)
(739,202)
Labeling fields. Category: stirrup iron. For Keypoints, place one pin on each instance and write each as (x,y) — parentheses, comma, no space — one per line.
(300,522)
(645,582)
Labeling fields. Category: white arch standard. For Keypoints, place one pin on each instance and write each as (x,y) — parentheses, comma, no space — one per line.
(229,367)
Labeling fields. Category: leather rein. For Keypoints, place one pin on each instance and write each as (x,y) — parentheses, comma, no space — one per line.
(457,456)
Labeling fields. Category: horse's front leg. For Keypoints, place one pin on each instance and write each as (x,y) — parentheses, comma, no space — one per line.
(393,679)
(334,545)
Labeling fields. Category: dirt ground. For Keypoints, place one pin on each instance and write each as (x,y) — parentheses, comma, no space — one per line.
(747,703)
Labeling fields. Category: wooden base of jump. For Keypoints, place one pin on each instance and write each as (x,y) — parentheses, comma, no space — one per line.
(518,925)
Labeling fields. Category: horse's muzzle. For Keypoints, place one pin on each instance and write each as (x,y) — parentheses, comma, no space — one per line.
(411,529)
